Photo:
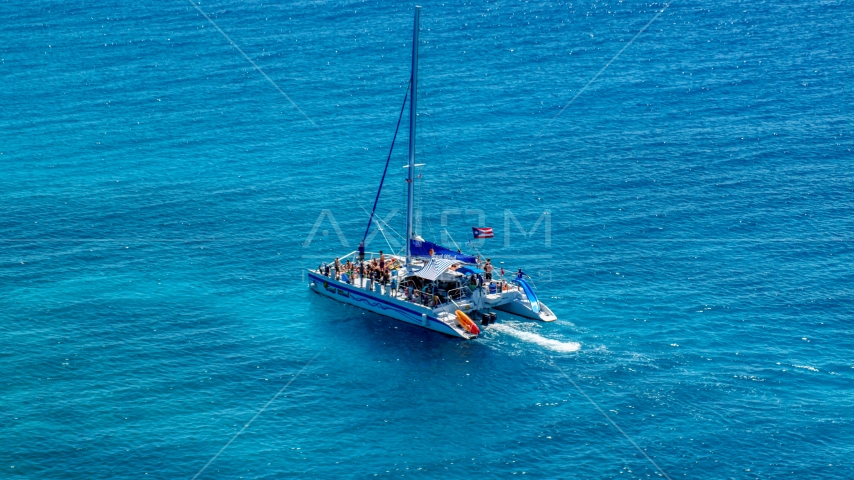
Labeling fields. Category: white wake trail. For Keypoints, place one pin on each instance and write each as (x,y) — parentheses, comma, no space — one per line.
(551,344)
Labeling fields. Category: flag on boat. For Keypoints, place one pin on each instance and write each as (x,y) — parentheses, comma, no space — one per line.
(482,232)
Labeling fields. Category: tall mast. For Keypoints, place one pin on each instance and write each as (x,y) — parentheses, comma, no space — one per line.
(410,178)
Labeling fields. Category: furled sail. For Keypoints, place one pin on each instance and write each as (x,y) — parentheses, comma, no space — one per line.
(421,248)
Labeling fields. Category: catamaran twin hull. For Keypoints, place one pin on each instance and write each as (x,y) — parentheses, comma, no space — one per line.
(382,305)
(441,319)
(449,281)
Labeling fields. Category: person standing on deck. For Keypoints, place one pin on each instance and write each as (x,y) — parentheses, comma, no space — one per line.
(361,251)
(520,274)
(488,269)
(382,260)
(337,268)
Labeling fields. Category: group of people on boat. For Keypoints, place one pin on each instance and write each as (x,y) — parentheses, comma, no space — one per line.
(380,271)
(381,275)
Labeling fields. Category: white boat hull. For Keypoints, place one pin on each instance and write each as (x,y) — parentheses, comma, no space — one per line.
(523,309)
(384,305)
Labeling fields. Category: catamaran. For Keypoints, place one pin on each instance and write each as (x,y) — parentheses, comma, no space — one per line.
(428,285)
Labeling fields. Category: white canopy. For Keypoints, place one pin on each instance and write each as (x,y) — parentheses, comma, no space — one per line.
(434,268)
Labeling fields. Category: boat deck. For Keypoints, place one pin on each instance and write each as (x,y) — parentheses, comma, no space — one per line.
(444,312)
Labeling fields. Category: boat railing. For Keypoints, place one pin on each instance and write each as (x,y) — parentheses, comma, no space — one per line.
(351,254)
(419,297)
(457,293)
(530,281)
(457,305)
(406,284)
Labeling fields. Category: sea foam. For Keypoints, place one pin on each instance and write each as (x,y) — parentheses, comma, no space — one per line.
(551,344)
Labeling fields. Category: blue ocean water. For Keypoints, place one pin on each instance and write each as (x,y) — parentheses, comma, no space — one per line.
(159,202)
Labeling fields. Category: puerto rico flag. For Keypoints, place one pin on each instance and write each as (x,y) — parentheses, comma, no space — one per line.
(484,232)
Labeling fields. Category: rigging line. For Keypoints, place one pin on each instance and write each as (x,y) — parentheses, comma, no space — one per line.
(474,247)
(383,222)
(452,239)
(436,142)
(430,226)
(385,170)
(444,165)
(380,221)
(379,225)
(420,192)
(420,203)
(605,67)
(380,229)
(256,67)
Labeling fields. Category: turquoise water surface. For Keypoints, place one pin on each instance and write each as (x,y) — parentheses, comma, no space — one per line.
(161,201)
